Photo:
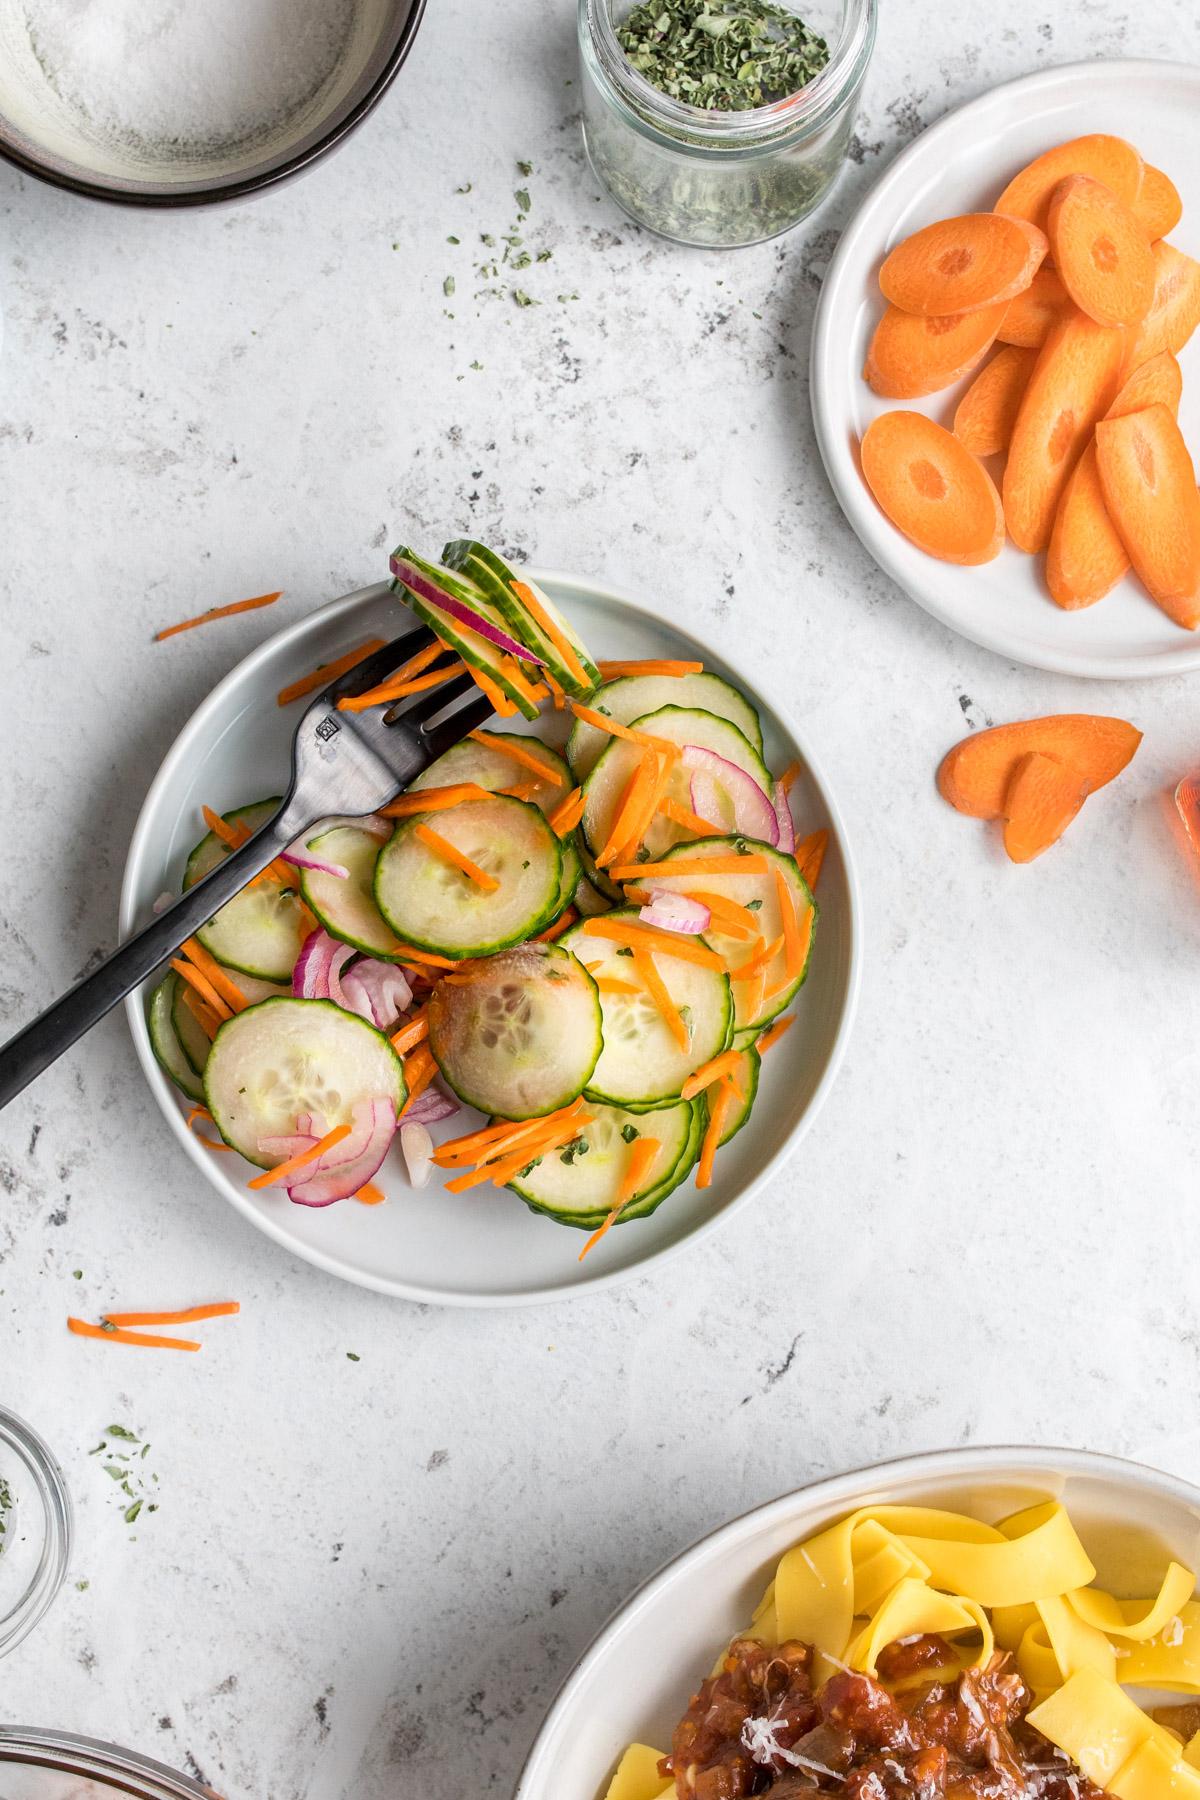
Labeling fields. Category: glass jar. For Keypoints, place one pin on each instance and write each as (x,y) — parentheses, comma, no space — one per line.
(35,1529)
(720,178)
(54,1765)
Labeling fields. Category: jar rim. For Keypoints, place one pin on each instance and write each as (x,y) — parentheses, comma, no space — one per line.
(804,110)
(57,1528)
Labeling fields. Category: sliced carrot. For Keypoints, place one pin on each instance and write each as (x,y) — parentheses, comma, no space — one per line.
(218,612)
(208,965)
(233,835)
(514,674)
(642,1157)
(1175,309)
(1029,317)
(656,987)
(370,1195)
(564,923)
(1101,252)
(1043,797)
(984,417)
(476,1146)
(434,799)
(778,1030)
(1074,382)
(732,918)
(500,701)
(567,813)
(720,863)
(412,1034)
(648,665)
(554,631)
(909,356)
(724,1067)
(193,1119)
(1150,492)
(406,953)
(324,673)
(208,1021)
(756,966)
(1107,159)
(974,777)
(959,265)
(609,984)
(795,946)
(631,805)
(1157,207)
(433,840)
(419,1070)
(203,987)
(787,781)
(932,489)
(556,693)
(390,691)
(810,854)
(520,790)
(190,1315)
(753,990)
(679,814)
(1159,378)
(630,733)
(717,1112)
(518,753)
(648,937)
(147,1340)
(516,1153)
(282,1170)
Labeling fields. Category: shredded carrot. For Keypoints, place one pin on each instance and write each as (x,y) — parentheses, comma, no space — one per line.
(522,790)
(567,813)
(433,840)
(324,673)
(553,631)
(751,999)
(203,987)
(630,733)
(519,753)
(413,1033)
(662,766)
(798,954)
(683,815)
(631,806)
(500,1169)
(419,1071)
(648,937)
(718,864)
(408,953)
(609,984)
(641,1161)
(203,1014)
(787,780)
(649,665)
(717,1113)
(500,700)
(370,1195)
(777,1031)
(514,674)
(218,612)
(434,799)
(734,919)
(793,949)
(556,930)
(233,835)
(556,693)
(190,1315)
(496,1140)
(758,964)
(810,854)
(81,1328)
(724,1067)
(282,1170)
(197,1114)
(395,689)
(647,968)
(208,965)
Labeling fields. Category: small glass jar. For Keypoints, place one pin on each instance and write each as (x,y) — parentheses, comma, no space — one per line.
(35,1529)
(720,178)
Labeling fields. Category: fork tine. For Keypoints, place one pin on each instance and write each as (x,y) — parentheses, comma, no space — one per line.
(373,669)
(428,705)
(467,718)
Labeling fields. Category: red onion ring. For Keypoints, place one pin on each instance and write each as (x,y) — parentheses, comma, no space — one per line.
(411,577)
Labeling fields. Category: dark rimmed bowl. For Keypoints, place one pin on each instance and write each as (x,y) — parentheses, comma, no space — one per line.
(57,151)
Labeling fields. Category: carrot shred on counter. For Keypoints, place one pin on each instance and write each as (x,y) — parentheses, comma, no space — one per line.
(519,753)
(434,799)
(787,780)
(499,699)
(218,612)
(189,1315)
(717,1113)
(718,864)
(721,1068)
(410,1035)
(556,930)
(778,1030)
(641,1161)
(683,815)
(370,1195)
(648,937)
(208,966)
(553,631)
(567,813)
(433,840)
(649,665)
(282,1170)
(203,1014)
(147,1340)
(324,673)
(646,967)
(762,959)
(203,986)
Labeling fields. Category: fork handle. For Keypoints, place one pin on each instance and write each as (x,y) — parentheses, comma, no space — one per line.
(25,1056)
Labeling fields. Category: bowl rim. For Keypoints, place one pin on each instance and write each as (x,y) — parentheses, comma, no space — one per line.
(330,1264)
(237,187)
(96,1759)
(841,1489)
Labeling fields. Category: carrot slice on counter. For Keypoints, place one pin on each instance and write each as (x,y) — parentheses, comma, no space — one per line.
(282,1170)
(931,489)
(218,612)
(984,417)
(646,967)
(189,1315)
(396,689)
(648,665)
(724,1067)
(1158,208)
(1030,315)
(959,265)
(648,937)
(567,813)
(642,1157)
(519,754)
(719,863)
(975,776)
(324,673)
(1108,159)
(208,965)
(810,854)
(556,930)
(778,1030)
(553,630)
(909,356)
(450,853)
(1150,492)
(1101,252)
(434,799)
(718,1111)
(1175,309)
(147,1340)
(1074,382)
(1044,795)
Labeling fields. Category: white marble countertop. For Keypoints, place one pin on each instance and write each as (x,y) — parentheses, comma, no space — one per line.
(366,1578)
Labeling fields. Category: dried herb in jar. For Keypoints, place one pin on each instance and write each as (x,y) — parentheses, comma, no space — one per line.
(722,55)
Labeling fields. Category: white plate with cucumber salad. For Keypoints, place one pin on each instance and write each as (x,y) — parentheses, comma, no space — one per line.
(593,972)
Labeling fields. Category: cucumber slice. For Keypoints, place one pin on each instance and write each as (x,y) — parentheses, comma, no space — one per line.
(194,1041)
(613,770)
(489,767)
(589,901)
(641,1065)
(494,577)
(599,881)
(579,1185)
(432,905)
(260,931)
(165,1044)
(641,1209)
(476,651)
(759,893)
(747,1073)
(282,1058)
(522,1036)
(345,904)
(631,697)
(572,873)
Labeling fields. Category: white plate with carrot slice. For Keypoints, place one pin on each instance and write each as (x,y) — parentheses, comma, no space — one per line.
(1003,390)
(475,1234)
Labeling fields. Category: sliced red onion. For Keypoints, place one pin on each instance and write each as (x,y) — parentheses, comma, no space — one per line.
(313,1124)
(714,776)
(783,815)
(317,973)
(431,1106)
(345,1167)
(417,1146)
(377,991)
(282,1148)
(676,912)
(433,595)
(301,857)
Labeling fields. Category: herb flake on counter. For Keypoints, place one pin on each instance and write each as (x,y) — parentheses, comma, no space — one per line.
(525,169)
(6,1506)
(522,199)
(353,1356)
(722,55)
(524,299)
(448,286)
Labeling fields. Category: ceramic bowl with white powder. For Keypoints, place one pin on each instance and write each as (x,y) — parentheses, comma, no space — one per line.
(178,104)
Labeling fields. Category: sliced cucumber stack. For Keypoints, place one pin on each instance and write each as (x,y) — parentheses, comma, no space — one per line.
(641,1065)
(421,585)
(517,1035)
(494,577)
(580,1184)
(260,931)
(164,1040)
(283,1058)
(630,697)
(345,904)
(431,904)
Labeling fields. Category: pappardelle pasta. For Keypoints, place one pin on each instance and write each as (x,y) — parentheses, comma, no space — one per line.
(907,1653)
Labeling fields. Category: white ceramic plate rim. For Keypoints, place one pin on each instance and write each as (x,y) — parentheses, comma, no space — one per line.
(833,1493)
(879,539)
(134,883)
